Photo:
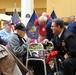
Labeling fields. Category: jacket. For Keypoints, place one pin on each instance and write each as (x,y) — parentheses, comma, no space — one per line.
(7,63)
(65,44)
(17,46)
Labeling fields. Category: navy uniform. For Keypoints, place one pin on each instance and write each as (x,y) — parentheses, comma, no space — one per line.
(66,44)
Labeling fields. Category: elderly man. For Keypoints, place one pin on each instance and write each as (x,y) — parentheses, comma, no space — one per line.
(6,31)
(17,43)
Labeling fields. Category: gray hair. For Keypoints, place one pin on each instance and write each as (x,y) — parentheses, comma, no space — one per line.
(42,18)
(44,13)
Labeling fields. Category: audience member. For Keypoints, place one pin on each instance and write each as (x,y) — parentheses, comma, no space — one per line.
(6,31)
(17,44)
(72,25)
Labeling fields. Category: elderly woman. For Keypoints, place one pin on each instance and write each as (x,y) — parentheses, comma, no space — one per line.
(44,24)
(41,22)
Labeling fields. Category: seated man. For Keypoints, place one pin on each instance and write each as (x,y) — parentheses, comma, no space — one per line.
(6,31)
(17,44)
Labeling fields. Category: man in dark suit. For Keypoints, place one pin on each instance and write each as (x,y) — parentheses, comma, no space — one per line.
(65,42)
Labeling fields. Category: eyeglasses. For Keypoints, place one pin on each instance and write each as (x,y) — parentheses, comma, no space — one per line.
(53,26)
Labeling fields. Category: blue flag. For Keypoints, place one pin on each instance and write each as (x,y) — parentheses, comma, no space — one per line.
(32,31)
(15,18)
(33,17)
(53,15)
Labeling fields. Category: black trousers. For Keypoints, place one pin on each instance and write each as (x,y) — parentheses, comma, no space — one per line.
(38,68)
(69,66)
(49,70)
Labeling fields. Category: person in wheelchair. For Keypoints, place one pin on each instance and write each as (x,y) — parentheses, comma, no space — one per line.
(65,43)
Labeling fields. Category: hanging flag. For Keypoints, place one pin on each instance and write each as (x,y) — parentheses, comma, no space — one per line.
(32,31)
(53,15)
(15,18)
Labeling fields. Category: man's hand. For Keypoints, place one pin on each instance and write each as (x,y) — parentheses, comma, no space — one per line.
(28,39)
(45,41)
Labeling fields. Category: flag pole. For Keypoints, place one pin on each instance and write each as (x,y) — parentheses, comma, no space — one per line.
(14,5)
(53,4)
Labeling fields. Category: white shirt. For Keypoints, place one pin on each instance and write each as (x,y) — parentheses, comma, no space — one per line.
(60,33)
